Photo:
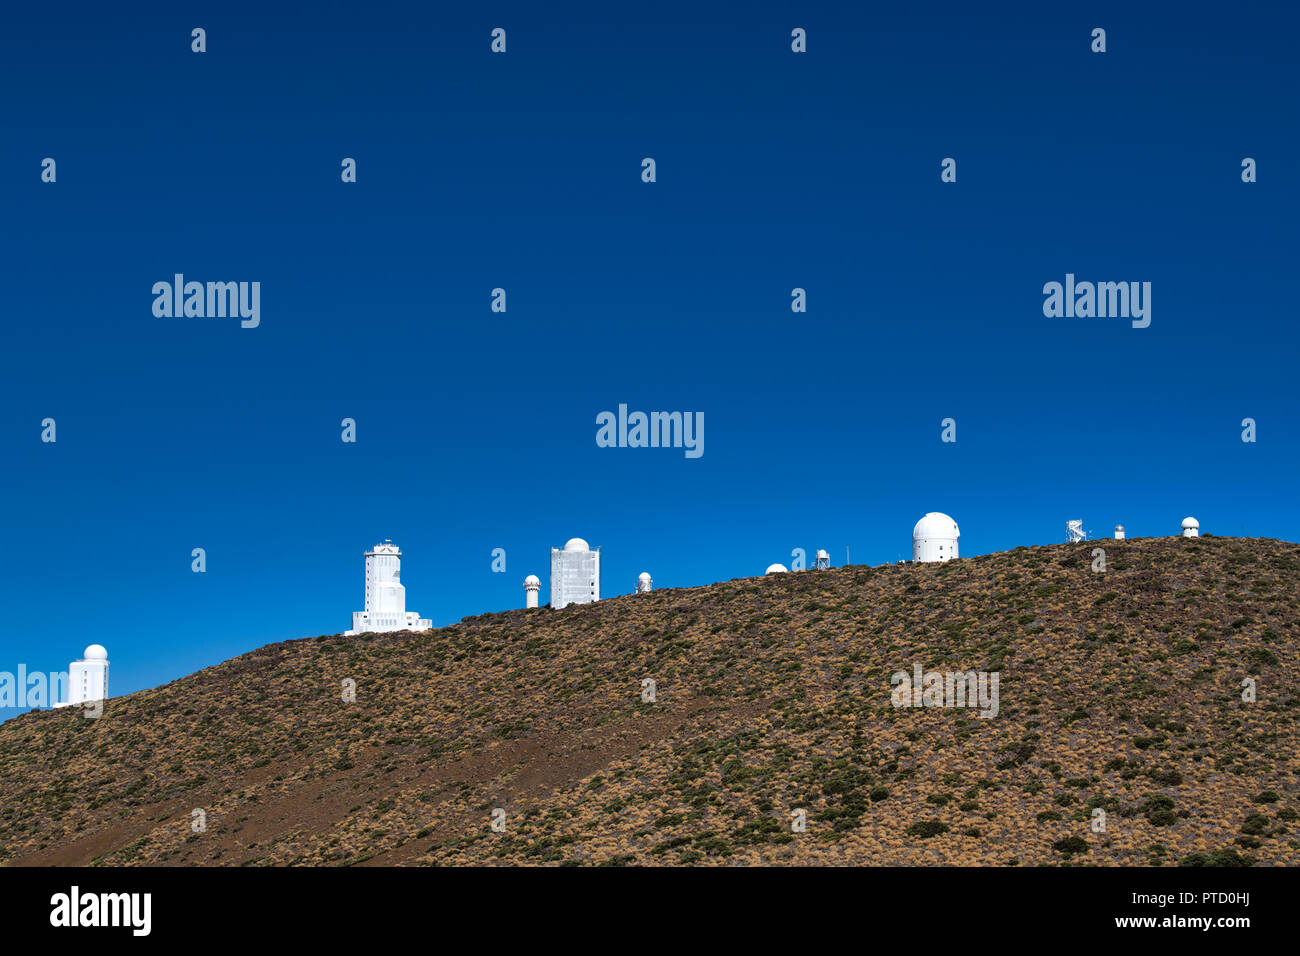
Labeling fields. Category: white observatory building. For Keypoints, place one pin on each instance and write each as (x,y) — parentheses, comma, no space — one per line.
(88,677)
(575,574)
(532,584)
(935,538)
(1191,528)
(644,583)
(385,596)
(823,560)
(1119,532)
(776,569)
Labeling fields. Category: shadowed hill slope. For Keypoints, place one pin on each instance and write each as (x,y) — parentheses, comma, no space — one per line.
(1120,691)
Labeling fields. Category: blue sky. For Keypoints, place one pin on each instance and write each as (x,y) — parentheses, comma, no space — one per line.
(522,171)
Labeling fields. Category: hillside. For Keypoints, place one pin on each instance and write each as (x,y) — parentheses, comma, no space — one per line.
(1120,690)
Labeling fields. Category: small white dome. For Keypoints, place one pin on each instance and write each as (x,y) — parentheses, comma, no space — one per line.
(643,576)
(776,569)
(576,544)
(935,524)
(823,554)
(532,580)
(1190,523)
(95,652)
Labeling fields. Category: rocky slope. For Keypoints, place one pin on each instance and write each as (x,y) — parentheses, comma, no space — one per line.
(1120,691)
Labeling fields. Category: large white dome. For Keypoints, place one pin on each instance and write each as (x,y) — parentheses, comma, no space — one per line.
(935,524)
(95,652)
(576,544)
(1190,523)
(643,576)
(776,569)
(532,579)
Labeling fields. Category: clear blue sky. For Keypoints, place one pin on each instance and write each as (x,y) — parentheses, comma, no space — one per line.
(475,171)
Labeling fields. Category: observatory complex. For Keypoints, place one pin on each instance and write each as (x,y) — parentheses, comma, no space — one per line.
(575,574)
(88,677)
(935,538)
(385,596)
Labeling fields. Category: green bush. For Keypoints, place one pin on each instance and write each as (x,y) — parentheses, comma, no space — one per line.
(927,828)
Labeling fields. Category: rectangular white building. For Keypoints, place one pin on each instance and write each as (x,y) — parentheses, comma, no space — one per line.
(575,574)
(385,596)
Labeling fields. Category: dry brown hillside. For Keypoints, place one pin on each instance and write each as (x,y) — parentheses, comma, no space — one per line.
(1120,691)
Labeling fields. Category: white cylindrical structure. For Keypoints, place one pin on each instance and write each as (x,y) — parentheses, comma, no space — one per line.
(776,569)
(88,677)
(384,590)
(935,538)
(1119,532)
(644,583)
(532,584)
(1191,528)
(823,560)
(385,597)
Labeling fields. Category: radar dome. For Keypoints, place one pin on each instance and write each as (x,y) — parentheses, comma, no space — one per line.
(935,524)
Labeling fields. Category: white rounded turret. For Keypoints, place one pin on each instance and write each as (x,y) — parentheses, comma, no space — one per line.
(935,538)
(1191,527)
(532,585)
(576,544)
(532,581)
(643,576)
(95,652)
(776,569)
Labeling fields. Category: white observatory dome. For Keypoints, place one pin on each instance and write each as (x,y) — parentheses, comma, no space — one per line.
(576,544)
(1191,527)
(643,576)
(935,538)
(776,569)
(821,553)
(531,580)
(95,652)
